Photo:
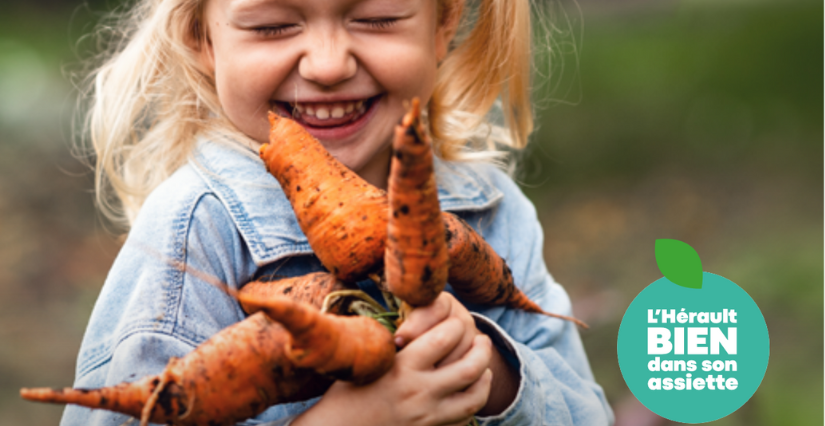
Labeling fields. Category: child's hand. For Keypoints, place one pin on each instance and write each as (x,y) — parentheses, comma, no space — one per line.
(505,377)
(422,319)
(441,377)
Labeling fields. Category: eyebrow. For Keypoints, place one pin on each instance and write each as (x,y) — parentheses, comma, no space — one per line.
(240,9)
(251,10)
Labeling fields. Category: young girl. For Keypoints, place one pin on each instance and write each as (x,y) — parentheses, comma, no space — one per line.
(179,110)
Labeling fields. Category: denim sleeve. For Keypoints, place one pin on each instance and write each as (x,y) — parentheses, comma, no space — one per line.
(556,384)
(159,299)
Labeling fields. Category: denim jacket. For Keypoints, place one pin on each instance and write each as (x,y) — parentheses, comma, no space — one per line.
(225,217)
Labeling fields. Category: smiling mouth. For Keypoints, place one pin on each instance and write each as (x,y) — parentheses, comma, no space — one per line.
(327,114)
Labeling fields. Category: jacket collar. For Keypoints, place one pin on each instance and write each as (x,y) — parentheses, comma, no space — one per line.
(261,212)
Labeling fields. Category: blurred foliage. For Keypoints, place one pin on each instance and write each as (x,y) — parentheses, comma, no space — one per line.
(700,121)
(694,120)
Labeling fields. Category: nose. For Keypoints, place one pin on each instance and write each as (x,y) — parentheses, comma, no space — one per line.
(328,60)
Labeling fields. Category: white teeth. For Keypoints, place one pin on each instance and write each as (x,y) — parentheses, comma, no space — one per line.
(326,111)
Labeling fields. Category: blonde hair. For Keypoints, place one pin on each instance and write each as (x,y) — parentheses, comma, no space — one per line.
(489,65)
(151,96)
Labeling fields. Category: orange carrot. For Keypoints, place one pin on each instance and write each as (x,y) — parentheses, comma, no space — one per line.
(311,288)
(252,360)
(338,209)
(416,260)
(356,349)
(247,360)
(479,275)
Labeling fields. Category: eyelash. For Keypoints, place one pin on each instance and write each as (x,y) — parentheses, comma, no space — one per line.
(271,31)
(380,23)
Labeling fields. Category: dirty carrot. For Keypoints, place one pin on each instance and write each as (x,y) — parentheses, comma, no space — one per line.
(357,349)
(416,260)
(337,202)
(336,208)
(246,361)
(479,275)
(311,288)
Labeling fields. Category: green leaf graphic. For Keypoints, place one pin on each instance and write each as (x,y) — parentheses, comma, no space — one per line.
(679,263)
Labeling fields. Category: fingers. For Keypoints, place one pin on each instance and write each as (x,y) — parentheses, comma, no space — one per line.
(429,348)
(459,390)
(467,370)
(461,348)
(461,406)
(414,392)
(422,319)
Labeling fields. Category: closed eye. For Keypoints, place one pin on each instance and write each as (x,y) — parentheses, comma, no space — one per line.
(273,30)
(379,23)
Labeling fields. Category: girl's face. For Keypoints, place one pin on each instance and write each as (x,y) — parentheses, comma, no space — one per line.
(341,68)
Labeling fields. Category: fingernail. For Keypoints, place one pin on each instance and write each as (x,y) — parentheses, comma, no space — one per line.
(399,341)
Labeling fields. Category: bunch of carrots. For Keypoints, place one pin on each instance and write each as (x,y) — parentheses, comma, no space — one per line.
(291,348)
(390,231)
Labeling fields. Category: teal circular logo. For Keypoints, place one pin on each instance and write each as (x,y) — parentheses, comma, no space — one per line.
(693,351)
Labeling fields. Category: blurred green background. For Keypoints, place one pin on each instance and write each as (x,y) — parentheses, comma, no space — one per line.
(695,120)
